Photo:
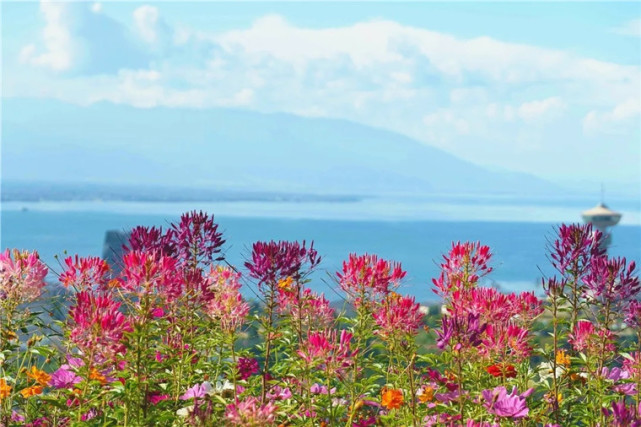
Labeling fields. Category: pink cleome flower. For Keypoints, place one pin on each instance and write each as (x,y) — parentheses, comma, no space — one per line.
(496,307)
(461,332)
(398,316)
(462,267)
(623,415)
(250,413)
(575,247)
(368,278)
(196,239)
(151,239)
(612,280)
(97,326)
(84,273)
(312,309)
(273,261)
(633,314)
(328,350)
(586,338)
(509,341)
(150,273)
(22,276)
(226,304)
(632,364)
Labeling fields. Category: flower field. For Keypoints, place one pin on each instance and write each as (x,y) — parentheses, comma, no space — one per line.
(167,338)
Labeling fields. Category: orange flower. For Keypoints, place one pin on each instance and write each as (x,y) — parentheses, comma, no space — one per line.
(95,375)
(285,284)
(426,394)
(5,389)
(392,398)
(393,296)
(562,358)
(41,377)
(578,377)
(114,283)
(450,375)
(31,391)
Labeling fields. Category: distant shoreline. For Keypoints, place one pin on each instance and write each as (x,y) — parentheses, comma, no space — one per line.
(374,209)
(101,193)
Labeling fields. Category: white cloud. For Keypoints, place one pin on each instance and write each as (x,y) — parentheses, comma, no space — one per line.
(499,112)
(401,77)
(146,20)
(620,120)
(541,109)
(78,38)
(473,95)
(630,28)
(59,47)
(243,97)
(464,95)
(389,43)
(27,53)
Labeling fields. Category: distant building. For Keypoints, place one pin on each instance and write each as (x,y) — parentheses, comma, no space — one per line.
(112,249)
(601,218)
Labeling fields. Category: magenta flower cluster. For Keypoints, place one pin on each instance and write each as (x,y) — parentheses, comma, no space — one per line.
(272,261)
(170,339)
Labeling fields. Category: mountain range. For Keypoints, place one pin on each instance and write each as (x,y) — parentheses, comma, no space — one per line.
(232,150)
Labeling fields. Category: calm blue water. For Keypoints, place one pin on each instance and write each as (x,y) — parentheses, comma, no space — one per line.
(519,247)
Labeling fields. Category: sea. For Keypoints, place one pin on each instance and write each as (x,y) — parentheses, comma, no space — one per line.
(413,231)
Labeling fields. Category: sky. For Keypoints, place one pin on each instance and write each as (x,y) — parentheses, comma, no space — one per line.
(552,89)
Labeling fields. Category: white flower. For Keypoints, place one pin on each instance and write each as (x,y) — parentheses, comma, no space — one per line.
(221,387)
(545,371)
(184,412)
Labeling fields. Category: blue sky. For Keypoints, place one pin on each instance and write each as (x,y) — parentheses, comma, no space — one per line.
(546,88)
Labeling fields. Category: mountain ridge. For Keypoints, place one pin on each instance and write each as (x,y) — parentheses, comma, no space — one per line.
(233,149)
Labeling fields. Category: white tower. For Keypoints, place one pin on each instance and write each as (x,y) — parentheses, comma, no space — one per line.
(601,218)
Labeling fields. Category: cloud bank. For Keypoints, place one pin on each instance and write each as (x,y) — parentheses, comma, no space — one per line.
(483,99)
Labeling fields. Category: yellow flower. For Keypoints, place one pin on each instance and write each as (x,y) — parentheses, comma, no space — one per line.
(41,377)
(95,375)
(31,391)
(392,398)
(114,283)
(285,284)
(5,389)
(10,335)
(426,394)
(549,397)
(356,406)
(562,358)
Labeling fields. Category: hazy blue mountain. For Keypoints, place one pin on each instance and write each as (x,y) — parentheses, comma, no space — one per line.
(231,150)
